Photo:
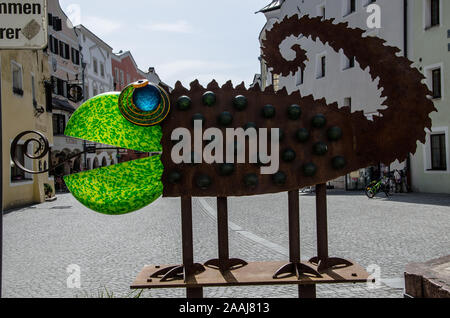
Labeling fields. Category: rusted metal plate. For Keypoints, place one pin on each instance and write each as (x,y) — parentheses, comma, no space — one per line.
(234,185)
(251,275)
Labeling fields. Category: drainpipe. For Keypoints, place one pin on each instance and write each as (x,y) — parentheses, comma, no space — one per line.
(406,53)
(83,67)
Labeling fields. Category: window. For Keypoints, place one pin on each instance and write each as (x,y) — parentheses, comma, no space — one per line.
(75,57)
(64,50)
(59,86)
(435,12)
(17,78)
(95,90)
(95,65)
(432,13)
(122,79)
(436,83)
(321,66)
(438,152)
(16,173)
(349,62)
(276,82)
(350,7)
(321,12)
(348,102)
(59,124)
(55,46)
(300,77)
(128,79)
(102,69)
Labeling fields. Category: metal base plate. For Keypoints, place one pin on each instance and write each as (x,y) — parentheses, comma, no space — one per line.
(253,274)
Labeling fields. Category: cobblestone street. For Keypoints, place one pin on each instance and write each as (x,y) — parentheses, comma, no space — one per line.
(41,241)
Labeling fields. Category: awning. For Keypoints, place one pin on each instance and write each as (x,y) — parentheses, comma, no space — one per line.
(62,104)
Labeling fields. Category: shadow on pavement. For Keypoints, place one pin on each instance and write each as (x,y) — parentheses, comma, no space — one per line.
(415,198)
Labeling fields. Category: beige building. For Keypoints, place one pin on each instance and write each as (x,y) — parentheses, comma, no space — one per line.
(23,106)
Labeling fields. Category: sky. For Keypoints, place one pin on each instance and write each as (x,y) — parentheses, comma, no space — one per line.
(183,39)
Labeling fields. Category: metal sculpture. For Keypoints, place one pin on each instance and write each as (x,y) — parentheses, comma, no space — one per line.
(318,142)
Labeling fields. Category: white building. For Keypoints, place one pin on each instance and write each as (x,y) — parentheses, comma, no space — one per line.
(96,57)
(429,48)
(331,74)
(97,79)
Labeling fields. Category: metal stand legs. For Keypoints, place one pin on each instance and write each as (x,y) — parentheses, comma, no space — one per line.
(224,263)
(295,267)
(323,261)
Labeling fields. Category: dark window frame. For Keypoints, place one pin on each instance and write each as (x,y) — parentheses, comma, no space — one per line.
(59,124)
(435,13)
(436,83)
(441,163)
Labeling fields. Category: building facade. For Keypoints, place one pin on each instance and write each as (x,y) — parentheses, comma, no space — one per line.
(332,75)
(97,78)
(66,70)
(125,70)
(429,48)
(23,74)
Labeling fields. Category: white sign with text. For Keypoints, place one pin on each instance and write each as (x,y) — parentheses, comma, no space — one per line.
(23,24)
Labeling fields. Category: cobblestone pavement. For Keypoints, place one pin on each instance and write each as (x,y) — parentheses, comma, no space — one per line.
(41,241)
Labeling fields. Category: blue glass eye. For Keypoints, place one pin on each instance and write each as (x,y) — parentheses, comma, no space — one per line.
(147,98)
(144,104)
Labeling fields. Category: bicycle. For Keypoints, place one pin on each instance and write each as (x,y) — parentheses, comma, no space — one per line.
(375,187)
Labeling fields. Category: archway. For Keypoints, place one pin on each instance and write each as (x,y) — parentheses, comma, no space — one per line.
(95,165)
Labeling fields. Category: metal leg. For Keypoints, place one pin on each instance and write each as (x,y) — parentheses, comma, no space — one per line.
(295,267)
(323,260)
(224,263)
(307,291)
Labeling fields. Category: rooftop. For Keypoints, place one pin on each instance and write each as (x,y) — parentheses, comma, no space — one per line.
(274,5)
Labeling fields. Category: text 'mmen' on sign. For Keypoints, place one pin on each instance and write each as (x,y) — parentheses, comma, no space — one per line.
(23,24)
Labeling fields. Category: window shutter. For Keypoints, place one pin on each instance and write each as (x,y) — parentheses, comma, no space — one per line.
(67,52)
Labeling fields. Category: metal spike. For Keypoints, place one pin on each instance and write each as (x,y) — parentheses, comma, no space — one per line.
(195,84)
(241,86)
(228,85)
(213,85)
